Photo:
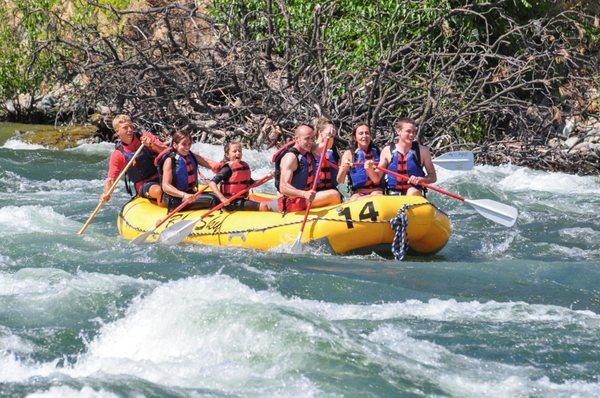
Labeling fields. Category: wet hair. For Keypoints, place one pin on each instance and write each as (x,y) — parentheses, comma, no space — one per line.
(227,146)
(404,120)
(119,120)
(353,142)
(322,122)
(179,136)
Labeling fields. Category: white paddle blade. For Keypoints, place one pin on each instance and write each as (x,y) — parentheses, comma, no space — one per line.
(297,246)
(177,232)
(459,160)
(142,238)
(498,212)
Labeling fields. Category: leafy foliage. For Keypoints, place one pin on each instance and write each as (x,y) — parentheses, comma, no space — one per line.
(33,58)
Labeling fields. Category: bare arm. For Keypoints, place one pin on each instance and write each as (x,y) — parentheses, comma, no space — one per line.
(116,164)
(216,191)
(204,162)
(384,161)
(167,181)
(152,142)
(345,164)
(288,165)
(105,197)
(431,175)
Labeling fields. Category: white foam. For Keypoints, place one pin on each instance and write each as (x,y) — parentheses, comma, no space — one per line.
(578,235)
(28,219)
(216,333)
(101,148)
(50,285)
(6,261)
(20,145)
(68,392)
(524,179)
(204,332)
(463,376)
(12,343)
(13,370)
(13,183)
(491,248)
(562,251)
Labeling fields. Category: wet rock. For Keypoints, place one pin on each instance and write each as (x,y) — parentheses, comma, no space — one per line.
(571,142)
(568,127)
(582,148)
(59,138)
(555,142)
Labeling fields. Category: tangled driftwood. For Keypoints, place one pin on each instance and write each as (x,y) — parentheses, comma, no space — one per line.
(175,67)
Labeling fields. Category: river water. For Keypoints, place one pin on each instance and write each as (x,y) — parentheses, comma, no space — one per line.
(499,312)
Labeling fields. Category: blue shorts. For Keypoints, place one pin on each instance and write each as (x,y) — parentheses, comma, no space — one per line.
(145,190)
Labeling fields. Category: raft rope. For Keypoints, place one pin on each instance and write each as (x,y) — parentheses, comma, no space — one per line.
(298,222)
(399,225)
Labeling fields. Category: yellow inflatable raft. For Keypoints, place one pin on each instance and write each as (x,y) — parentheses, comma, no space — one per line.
(362,226)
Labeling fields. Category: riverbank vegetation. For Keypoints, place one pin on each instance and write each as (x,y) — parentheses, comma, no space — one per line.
(512,80)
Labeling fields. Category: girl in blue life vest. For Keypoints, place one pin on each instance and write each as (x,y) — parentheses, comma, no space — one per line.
(361,181)
(234,176)
(178,170)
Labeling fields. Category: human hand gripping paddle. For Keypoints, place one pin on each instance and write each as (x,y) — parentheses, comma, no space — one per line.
(458,161)
(498,212)
(297,246)
(110,191)
(142,238)
(179,231)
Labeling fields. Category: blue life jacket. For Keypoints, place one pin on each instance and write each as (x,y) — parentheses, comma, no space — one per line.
(181,179)
(357,176)
(304,174)
(408,165)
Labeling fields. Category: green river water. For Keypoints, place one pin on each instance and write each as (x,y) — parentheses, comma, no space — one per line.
(499,312)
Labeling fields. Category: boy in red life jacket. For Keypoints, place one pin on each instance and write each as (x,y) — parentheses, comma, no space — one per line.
(406,157)
(142,173)
(235,176)
(178,168)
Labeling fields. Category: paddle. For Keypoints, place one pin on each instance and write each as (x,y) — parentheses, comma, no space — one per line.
(458,160)
(297,246)
(142,238)
(179,231)
(110,191)
(498,212)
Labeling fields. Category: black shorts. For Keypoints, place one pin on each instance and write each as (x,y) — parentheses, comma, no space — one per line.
(205,201)
(243,204)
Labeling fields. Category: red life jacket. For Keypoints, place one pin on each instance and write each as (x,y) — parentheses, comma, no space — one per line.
(328,174)
(241,178)
(286,204)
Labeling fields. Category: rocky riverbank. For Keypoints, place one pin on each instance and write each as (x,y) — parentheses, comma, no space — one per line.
(575,151)
(50,136)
